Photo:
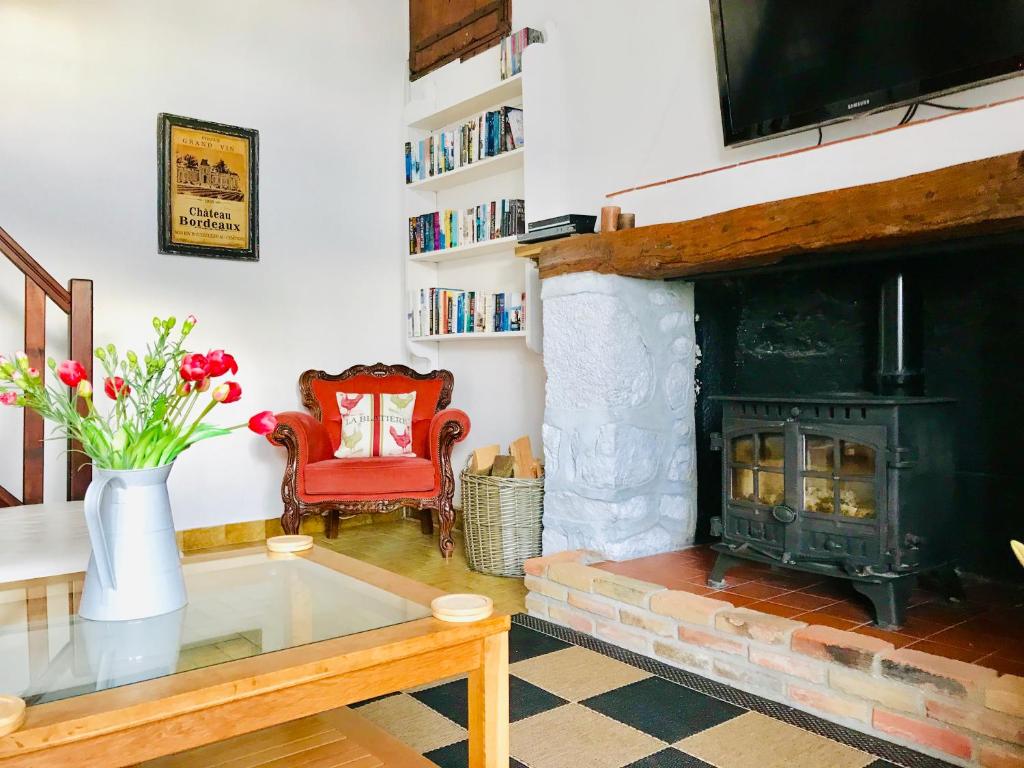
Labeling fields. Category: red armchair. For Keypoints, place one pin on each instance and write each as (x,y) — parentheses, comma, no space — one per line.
(315,482)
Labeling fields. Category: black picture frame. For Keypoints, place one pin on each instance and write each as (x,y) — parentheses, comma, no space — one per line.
(166,161)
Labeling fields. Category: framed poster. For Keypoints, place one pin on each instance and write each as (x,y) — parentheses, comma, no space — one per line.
(209,193)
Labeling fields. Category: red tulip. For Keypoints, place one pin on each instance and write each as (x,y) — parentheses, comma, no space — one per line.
(115,387)
(228,392)
(71,372)
(263,423)
(194,367)
(220,362)
(10,398)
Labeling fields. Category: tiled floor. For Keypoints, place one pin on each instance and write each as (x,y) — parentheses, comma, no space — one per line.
(575,701)
(985,629)
(400,547)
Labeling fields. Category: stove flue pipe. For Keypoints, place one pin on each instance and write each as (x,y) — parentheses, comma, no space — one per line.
(900,342)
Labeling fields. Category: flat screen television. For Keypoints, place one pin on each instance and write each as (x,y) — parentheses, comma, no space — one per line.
(786,65)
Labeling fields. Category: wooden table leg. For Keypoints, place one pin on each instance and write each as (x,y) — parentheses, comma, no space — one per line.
(488,706)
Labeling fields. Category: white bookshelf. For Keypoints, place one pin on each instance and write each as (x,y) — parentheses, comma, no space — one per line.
(489,166)
(488,336)
(471,251)
(429,116)
(488,265)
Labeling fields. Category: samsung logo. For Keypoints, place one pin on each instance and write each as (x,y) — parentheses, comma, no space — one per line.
(861,103)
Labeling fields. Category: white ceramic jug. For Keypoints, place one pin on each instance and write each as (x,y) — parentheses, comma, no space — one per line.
(135,570)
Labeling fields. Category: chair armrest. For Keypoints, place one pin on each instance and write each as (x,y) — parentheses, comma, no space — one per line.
(301,433)
(447,428)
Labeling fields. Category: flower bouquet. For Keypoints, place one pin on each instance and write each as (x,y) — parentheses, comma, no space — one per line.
(158,407)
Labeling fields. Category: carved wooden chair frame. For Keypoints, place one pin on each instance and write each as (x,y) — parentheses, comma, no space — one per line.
(334,510)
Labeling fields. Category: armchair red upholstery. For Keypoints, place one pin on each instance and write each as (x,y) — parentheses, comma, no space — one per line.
(315,482)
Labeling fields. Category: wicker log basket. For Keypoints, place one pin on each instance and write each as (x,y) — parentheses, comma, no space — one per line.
(501,522)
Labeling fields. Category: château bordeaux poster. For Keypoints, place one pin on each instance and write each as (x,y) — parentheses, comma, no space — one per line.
(208,189)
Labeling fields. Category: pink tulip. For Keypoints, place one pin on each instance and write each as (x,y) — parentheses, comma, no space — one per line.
(220,362)
(10,398)
(228,392)
(263,423)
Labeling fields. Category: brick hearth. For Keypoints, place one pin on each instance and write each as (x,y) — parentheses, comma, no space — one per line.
(950,682)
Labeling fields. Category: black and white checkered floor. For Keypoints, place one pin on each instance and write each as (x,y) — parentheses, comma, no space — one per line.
(577,702)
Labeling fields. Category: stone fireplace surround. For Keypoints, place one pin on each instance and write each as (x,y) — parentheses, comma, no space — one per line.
(618,433)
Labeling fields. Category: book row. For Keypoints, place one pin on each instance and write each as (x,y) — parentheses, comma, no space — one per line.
(456,146)
(443,311)
(510,55)
(450,228)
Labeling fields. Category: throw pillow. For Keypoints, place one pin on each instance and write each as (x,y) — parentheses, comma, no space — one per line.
(375,424)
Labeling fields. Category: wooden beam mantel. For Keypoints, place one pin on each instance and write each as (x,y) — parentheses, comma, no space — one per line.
(985,197)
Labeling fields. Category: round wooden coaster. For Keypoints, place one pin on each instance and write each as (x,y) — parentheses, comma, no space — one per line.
(462,608)
(12,714)
(297,543)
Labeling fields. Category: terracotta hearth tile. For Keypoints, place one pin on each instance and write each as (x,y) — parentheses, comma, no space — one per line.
(898,639)
(946,651)
(838,590)
(749,572)
(1003,665)
(775,609)
(919,628)
(692,573)
(1008,624)
(759,591)
(845,610)
(789,581)
(943,612)
(693,588)
(737,600)
(803,600)
(827,621)
(969,638)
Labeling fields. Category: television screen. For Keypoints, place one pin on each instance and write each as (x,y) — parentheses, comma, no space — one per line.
(785,65)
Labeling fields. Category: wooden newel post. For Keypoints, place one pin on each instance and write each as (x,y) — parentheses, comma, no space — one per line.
(80,348)
(32,435)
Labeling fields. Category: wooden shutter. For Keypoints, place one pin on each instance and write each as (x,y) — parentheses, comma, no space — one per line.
(444,30)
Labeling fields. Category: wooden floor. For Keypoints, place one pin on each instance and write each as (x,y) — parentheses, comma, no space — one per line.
(400,547)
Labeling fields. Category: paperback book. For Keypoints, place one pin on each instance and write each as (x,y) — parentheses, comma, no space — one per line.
(512,47)
(456,146)
(451,228)
(444,311)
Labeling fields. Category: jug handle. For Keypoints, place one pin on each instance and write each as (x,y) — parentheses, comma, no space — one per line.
(100,551)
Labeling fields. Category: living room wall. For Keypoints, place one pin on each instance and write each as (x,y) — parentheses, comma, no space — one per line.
(82,85)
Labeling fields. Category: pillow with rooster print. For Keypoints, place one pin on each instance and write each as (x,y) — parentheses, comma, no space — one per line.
(375,424)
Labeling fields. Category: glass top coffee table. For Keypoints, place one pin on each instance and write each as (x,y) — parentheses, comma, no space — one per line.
(265,639)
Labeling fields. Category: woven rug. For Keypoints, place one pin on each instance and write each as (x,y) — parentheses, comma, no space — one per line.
(577,702)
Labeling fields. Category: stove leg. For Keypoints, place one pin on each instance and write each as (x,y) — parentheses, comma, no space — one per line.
(889,599)
(716,579)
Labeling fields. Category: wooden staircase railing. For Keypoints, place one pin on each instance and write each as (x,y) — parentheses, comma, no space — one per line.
(76,302)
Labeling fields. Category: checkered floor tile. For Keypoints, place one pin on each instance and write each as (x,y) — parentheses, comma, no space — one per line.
(575,701)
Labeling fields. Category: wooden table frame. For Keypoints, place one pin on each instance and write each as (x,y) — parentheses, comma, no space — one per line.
(142,721)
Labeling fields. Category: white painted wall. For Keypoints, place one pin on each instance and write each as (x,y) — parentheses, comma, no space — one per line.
(323,82)
(619,98)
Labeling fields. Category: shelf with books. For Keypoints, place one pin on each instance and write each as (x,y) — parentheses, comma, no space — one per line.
(479,336)
(489,166)
(473,250)
(430,118)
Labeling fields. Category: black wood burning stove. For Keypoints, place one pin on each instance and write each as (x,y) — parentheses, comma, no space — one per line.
(857,486)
